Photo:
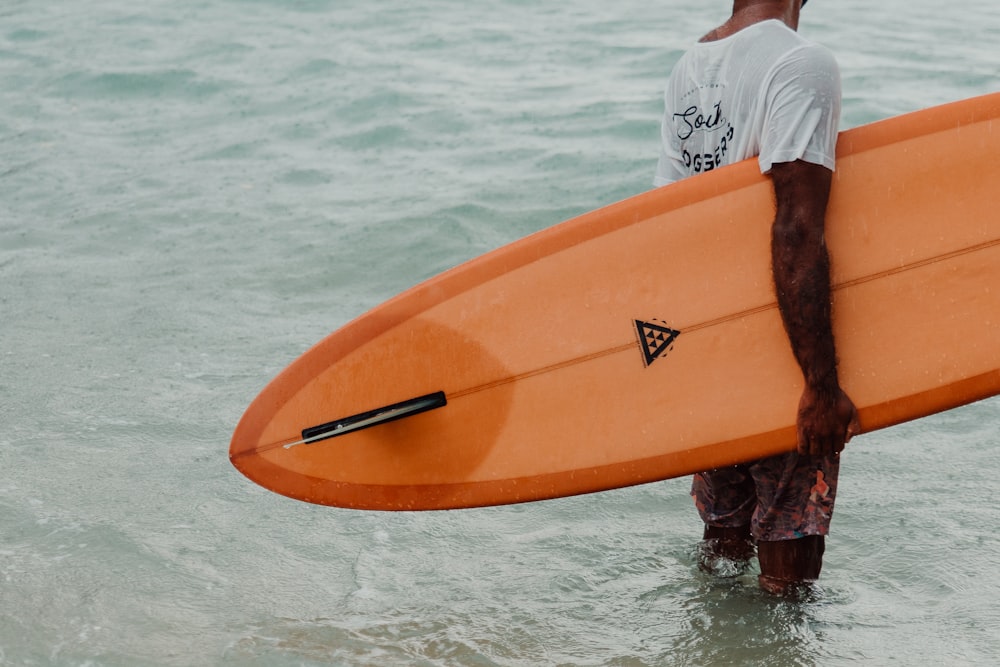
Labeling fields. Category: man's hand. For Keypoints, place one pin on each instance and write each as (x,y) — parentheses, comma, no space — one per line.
(827,421)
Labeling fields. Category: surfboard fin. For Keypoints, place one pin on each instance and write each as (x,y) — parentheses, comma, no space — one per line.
(374,417)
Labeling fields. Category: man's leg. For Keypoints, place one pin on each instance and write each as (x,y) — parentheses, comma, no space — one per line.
(787,564)
(795,496)
(732,543)
(725,499)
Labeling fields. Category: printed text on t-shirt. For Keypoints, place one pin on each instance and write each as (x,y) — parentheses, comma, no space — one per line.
(692,120)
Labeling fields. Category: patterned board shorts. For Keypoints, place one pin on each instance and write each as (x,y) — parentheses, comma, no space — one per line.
(783,497)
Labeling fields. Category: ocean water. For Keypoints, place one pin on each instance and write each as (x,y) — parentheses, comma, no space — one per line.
(192,193)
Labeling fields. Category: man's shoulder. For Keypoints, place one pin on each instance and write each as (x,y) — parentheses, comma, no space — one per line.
(781,38)
(806,58)
(772,42)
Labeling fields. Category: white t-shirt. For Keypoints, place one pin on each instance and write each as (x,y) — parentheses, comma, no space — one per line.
(762,91)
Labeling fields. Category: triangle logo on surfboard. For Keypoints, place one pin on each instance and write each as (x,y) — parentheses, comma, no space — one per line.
(654,340)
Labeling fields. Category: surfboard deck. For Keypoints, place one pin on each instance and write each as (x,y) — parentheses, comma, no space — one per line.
(641,341)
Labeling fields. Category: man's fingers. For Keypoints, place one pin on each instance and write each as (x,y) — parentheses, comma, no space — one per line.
(822,430)
(812,444)
(854,427)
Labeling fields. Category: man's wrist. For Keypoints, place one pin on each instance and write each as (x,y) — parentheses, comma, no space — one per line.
(824,383)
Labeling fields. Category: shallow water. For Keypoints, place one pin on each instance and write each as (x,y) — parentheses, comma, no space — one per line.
(193,193)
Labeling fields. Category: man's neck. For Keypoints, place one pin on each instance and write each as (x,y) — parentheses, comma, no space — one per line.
(748,12)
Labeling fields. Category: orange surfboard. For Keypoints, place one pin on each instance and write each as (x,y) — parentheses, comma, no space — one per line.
(642,342)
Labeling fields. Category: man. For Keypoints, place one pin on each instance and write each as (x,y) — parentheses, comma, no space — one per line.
(754,87)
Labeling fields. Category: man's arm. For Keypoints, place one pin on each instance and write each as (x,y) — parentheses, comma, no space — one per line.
(827,418)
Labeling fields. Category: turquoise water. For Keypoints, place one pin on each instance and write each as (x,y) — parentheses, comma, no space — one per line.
(193,193)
